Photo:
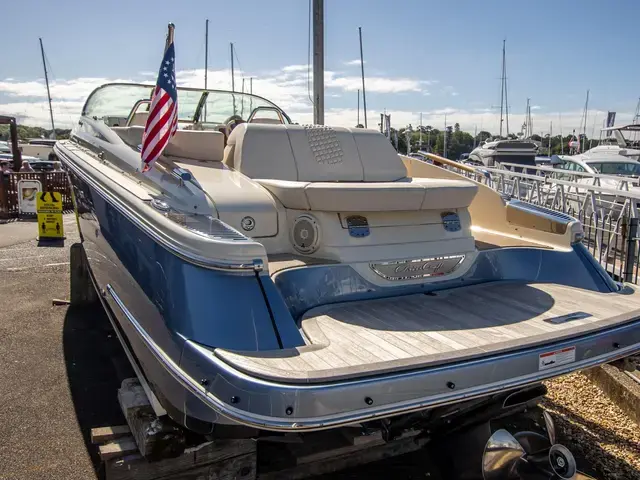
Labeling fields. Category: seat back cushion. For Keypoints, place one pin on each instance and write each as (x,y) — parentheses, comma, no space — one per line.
(203,145)
(263,151)
(380,161)
(139,119)
(314,153)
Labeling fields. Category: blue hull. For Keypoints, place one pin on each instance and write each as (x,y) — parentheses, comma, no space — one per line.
(173,314)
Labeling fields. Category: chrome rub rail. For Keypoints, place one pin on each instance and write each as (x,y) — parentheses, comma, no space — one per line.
(276,423)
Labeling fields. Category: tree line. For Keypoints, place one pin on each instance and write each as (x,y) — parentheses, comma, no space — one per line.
(459,142)
(25,133)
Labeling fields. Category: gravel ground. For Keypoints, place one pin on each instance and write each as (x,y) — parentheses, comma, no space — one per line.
(594,428)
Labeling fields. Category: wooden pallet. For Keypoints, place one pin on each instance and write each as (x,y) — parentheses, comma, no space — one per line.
(152,448)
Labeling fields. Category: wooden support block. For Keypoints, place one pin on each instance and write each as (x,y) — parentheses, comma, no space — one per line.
(222,459)
(82,289)
(106,434)
(156,437)
(118,448)
(343,458)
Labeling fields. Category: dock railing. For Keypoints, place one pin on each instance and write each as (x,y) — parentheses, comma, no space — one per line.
(607,205)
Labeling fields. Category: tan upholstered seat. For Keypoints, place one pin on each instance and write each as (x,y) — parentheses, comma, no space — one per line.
(336,169)
(201,145)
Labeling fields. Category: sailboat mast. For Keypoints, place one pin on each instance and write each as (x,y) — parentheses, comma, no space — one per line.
(46,79)
(584,127)
(358,122)
(318,62)
(206,51)
(420,140)
(364,92)
(233,80)
(502,88)
(506,90)
(444,153)
(561,137)
(206,61)
(233,76)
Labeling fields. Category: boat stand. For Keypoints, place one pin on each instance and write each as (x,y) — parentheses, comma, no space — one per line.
(155,448)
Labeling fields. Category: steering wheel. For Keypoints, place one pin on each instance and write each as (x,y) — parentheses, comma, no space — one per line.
(232,122)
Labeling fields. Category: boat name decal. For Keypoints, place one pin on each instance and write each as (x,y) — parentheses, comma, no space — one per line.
(418,268)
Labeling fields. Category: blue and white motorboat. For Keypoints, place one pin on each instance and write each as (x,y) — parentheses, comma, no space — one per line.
(292,277)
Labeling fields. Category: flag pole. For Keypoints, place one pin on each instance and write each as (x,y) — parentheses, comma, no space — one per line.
(171,28)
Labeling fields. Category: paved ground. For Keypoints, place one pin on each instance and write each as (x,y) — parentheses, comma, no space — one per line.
(60,366)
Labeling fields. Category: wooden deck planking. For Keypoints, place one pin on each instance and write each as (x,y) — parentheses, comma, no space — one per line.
(366,335)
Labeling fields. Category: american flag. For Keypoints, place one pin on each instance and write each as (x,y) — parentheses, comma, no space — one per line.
(162,122)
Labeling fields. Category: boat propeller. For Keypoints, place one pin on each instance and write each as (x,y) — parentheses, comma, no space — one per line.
(529,456)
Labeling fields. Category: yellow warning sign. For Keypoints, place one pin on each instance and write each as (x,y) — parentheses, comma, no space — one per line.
(49,205)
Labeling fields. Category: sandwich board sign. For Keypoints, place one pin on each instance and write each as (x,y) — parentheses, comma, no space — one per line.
(50,215)
(28,191)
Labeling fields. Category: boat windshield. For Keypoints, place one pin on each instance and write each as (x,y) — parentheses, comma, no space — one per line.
(118,101)
(616,168)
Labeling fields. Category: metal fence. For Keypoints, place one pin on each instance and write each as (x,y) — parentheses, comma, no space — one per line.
(606,205)
(51,182)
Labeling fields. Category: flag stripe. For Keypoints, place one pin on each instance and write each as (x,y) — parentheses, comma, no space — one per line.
(156,113)
(160,123)
(157,137)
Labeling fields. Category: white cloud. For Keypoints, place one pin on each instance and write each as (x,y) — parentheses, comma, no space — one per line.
(353,63)
(296,68)
(76,89)
(374,84)
(449,90)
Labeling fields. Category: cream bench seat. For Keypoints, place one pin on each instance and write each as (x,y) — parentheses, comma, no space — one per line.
(336,169)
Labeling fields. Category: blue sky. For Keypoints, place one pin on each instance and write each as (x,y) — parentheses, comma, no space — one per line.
(430,57)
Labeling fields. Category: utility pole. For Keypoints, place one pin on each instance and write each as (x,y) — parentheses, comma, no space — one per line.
(318,62)
(46,79)
(364,92)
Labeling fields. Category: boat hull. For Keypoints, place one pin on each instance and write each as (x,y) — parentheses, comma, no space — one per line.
(168,310)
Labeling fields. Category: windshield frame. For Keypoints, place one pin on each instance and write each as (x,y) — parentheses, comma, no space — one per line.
(198,111)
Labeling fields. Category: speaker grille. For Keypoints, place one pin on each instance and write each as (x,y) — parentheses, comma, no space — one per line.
(305,234)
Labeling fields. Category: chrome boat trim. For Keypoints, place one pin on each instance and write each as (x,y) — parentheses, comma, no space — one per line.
(277,423)
(151,232)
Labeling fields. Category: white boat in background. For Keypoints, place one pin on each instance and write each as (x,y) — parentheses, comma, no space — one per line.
(615,144)
(41,148)
(492,153)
